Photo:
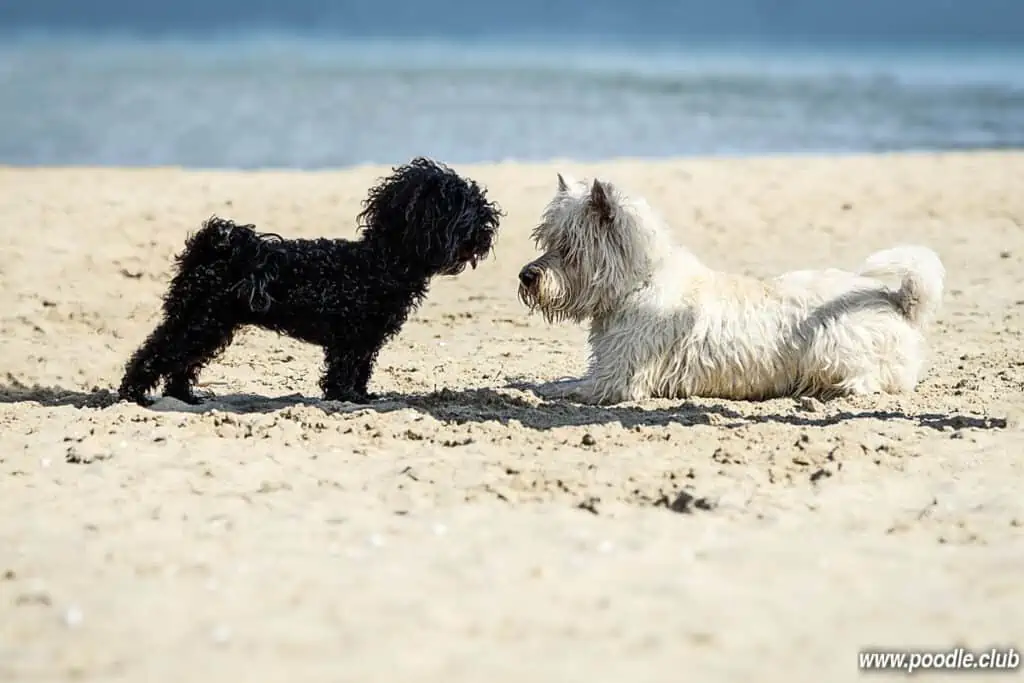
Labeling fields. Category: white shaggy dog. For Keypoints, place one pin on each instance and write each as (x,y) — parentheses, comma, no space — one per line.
(662,324)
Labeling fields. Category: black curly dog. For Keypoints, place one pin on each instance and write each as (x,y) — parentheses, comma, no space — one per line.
(349,297)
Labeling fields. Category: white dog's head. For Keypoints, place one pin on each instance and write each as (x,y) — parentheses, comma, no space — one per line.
(599,246)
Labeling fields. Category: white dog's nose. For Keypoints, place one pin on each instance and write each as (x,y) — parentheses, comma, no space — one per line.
(528,275)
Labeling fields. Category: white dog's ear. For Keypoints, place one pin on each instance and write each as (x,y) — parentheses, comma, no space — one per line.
(601,200)
(562,185)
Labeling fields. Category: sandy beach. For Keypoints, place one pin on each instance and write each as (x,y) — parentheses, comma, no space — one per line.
(461,530)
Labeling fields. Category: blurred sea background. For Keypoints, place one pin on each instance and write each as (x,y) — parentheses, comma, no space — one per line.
(314,83)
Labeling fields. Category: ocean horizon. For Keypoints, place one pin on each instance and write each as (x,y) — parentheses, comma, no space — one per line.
(277,99)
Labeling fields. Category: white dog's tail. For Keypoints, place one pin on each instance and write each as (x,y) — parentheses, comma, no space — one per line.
(923,278)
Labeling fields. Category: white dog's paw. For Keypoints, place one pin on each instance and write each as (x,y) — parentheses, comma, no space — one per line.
(579,391)
(563,388)
(588,397)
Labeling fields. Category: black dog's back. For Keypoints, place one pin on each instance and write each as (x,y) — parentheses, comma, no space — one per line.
(235,260)
(310,289)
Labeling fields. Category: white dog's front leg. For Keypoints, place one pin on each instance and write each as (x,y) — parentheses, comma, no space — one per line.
(614,375)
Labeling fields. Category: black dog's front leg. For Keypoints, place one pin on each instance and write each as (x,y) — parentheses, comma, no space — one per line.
(364,368)
(346,375)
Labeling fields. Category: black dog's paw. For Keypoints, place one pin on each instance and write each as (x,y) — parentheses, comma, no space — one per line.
(192,399)
(136,398)
(133,393)
(187,396)
(350,396)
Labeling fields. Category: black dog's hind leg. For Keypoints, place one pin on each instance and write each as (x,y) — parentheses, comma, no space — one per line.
(142,371)
(347,373)
(196,349)
(150,362)
(176,351)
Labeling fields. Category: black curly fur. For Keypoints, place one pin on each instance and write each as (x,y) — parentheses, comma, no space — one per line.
(349,297)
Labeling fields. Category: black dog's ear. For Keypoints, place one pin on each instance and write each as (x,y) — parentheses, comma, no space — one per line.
(562,185)
(600,199)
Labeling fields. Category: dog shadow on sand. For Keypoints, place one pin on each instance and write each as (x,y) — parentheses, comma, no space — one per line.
(515,402)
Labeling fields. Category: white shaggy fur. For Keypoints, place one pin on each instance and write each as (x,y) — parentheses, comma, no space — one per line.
(662,324)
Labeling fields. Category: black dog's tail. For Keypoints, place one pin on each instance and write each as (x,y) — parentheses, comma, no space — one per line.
(239,259)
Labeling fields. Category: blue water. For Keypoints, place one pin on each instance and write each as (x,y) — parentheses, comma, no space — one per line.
(265,100)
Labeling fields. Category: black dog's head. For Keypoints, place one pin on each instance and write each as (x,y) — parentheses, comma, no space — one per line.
(427,214)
